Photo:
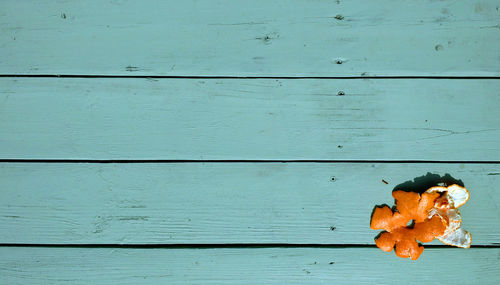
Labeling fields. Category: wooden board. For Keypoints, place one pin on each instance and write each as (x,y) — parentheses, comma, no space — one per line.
(249,38)
(378,119)
(246,266)
(220,203)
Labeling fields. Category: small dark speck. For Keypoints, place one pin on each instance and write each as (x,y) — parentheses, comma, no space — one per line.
(63,15)
(385,182)
(426,121)
(332,228)
(438,47)
(339,17)
(306,271)
(333,179)
(338,61)
(331,262)
(267,38)
(341,93)
(363,74)
(340,146)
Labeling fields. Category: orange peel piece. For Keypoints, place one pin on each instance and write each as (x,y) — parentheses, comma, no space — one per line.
(446,207)
(421,217)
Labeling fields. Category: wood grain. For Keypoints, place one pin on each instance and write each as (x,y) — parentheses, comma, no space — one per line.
(251,38)
(378,119)
(246,266)
(219,203)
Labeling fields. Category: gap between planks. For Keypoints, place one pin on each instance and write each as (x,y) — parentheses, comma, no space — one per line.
(238,77)
(118,161)
(219,245)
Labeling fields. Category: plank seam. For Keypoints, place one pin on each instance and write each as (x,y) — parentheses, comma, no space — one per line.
(239,77)
(119,161)
(232,245)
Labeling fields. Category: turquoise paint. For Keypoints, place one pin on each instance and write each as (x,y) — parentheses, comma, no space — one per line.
(276,119)
(246,266)
(251,38)
(158,203)
(425,119)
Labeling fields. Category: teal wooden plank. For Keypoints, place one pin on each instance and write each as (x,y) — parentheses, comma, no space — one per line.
(247,38)
(27,265)
(220,203)
(249,119)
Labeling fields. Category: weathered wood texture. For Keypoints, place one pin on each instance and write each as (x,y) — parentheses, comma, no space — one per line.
(220,202)
(250,119)
(246,38)
(246,266)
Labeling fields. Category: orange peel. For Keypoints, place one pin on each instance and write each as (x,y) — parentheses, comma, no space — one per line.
(421,217)
(446,207)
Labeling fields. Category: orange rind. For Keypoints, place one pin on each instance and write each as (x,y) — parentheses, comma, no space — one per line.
(446,208)
(421,218)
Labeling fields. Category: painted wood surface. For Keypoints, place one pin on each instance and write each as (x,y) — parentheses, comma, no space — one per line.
(220,203)
(425,119)
(162,213)
(246,266)
(248,38)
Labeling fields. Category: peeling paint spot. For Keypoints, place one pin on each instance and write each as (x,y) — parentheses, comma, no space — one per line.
(12,217)
(131,68)
(133,218)
(268,38)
